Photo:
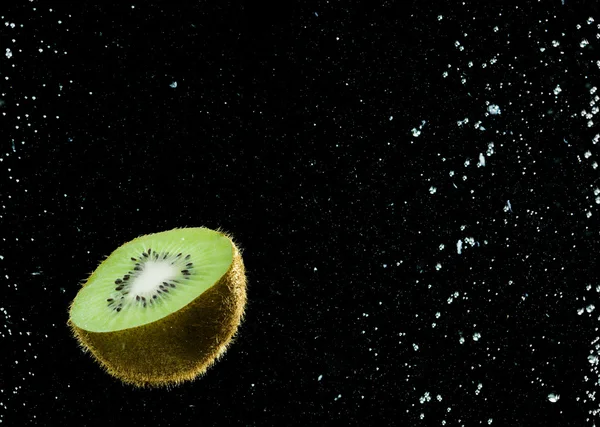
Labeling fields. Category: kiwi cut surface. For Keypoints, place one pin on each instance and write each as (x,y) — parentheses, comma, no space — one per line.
(162,307)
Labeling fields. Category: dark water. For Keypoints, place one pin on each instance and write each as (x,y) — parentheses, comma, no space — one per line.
(415,186)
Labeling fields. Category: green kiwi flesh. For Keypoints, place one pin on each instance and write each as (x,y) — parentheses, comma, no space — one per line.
(163,307)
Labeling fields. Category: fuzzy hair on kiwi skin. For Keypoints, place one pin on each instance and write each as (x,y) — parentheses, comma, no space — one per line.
(181,346)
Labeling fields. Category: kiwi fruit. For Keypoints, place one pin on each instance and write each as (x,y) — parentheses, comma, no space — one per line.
(163,307)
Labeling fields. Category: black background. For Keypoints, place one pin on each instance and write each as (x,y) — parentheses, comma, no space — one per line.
(291,126)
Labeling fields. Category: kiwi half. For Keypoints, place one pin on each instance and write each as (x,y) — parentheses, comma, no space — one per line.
(163,307)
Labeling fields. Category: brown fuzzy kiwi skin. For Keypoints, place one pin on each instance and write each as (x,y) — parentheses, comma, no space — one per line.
(179,347)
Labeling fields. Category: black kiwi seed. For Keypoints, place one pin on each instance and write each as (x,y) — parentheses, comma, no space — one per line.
(189,264)
(154,296)
(179,254)
(166,290)
(145,304)
(185,272)
(118,308)
(137,268)
(172,285)
(149,251)
(126,277)
(188,256)
(137,297)
(118,288)
(109,300)
(118,282)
